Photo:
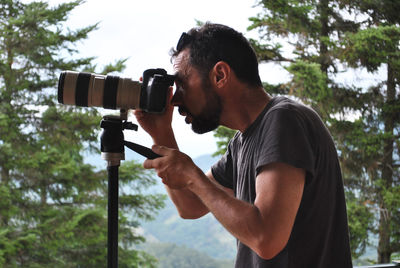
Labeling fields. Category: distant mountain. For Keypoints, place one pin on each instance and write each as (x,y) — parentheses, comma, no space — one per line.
(205,234)
(205,161)
(172,256)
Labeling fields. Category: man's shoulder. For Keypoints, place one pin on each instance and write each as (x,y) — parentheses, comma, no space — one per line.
(281,103)
(287,107)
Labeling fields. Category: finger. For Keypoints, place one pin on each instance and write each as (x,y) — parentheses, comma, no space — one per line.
(170,97)
(148,164)
(139,114)
(161,150)
(170,93)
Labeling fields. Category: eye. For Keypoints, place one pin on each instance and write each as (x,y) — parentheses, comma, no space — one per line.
(179,83)
(181,80)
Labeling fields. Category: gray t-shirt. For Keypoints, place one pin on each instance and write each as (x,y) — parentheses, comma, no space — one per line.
(292,133)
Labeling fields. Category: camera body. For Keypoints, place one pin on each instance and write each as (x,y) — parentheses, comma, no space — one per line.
(113,92)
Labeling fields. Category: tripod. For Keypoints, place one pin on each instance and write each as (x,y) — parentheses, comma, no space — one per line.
(112,150)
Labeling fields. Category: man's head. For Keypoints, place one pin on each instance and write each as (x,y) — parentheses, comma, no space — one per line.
(212,43)
(195,96)
(198,52)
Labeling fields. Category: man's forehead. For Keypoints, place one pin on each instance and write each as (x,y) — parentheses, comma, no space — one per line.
(180,62)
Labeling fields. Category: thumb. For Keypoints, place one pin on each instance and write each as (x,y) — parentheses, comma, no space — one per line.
(148,164)
(161,150)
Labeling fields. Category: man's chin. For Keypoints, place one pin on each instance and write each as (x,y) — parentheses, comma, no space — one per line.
(200,128)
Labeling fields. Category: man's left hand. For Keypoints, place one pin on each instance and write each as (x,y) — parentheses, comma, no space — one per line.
(175,168)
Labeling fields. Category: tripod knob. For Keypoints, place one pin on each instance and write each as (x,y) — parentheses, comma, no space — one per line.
(129,126)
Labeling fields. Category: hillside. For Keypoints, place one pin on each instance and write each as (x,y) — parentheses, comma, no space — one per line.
(205,234)
(172,256)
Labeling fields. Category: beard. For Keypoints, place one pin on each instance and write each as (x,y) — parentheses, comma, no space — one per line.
(209,118)
(206,121)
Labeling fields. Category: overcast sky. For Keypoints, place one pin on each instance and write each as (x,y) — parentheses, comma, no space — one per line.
(144,31)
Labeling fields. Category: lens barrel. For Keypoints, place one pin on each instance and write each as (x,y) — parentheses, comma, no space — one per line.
(113,92)
(107,91)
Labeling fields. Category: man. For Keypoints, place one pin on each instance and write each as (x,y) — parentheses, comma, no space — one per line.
(278,189)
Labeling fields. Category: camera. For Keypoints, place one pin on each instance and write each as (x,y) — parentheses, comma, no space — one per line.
(113,92)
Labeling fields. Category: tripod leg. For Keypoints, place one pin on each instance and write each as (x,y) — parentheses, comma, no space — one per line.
(112,217)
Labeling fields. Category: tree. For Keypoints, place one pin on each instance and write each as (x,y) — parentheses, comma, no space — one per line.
(381,125)
(53,205)
(326,37)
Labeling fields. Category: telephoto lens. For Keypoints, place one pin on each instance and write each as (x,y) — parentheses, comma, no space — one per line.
(113,92)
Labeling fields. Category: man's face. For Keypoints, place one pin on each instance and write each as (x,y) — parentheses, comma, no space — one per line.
(195,97)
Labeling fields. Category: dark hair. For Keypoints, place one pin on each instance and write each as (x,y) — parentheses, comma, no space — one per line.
(211,43)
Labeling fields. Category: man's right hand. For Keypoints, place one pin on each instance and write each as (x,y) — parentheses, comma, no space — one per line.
(158,126)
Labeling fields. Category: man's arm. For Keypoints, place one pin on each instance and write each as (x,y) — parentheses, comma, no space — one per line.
(188,204)
(159,127)
(264,226)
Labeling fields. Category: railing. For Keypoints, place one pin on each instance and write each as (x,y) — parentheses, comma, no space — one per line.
(394,264)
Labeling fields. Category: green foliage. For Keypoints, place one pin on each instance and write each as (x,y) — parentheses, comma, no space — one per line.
(309,83)
(267,52)
(133,180)
(383,12)
(308,80)
(325,36)
(53,206)
(373,47)
(223,136)
(360,223)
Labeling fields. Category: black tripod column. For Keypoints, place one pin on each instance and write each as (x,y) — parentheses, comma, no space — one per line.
(112,239)
(112,148)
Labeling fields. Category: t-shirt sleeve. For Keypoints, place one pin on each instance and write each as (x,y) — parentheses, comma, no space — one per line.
(222,170)
(287,139)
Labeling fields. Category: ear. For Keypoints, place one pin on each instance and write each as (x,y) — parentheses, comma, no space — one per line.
(220,74)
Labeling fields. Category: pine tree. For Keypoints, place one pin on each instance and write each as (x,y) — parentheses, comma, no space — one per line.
(53,205)
(326,37)
(377,46)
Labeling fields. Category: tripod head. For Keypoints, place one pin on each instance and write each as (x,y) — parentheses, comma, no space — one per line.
(112,139)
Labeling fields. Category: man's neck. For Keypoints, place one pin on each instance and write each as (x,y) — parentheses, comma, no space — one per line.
(243,107)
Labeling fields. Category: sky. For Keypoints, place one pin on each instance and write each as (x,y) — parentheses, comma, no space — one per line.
(145,31)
